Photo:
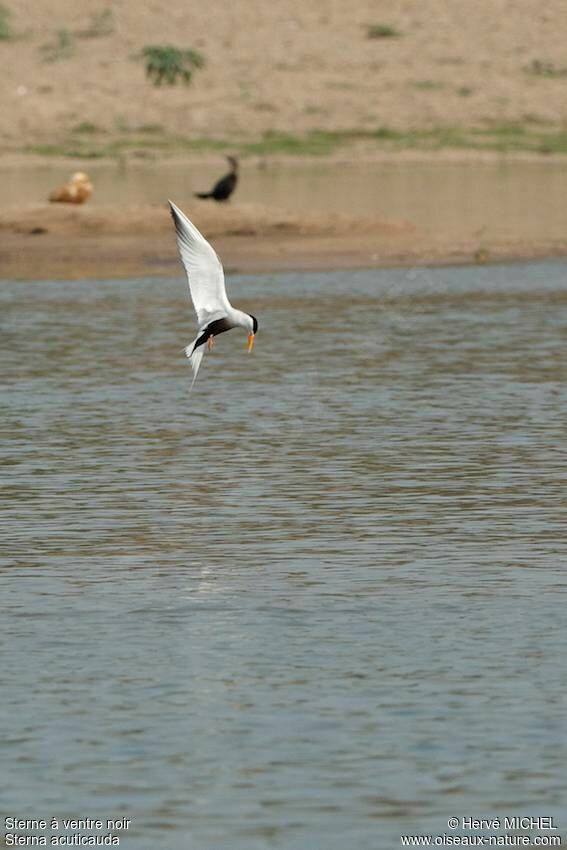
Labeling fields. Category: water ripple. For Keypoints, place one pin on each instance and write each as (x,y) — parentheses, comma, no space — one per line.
(315,601)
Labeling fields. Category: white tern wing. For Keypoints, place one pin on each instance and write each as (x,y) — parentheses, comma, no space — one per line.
(204,270)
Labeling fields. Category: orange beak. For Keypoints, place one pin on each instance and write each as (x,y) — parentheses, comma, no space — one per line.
(250,342)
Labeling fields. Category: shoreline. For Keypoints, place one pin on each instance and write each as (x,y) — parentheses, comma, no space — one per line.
(347,155)
(43,241)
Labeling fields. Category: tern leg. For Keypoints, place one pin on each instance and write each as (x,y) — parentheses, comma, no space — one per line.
(211,342)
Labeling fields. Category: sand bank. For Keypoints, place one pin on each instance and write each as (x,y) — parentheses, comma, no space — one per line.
(43,241)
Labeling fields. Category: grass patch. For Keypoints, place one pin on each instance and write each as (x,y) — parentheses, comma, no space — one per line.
(381,31)
(150,128)
(167,64)
(510,130)
(86,127)
(315,143)
(313,109)
(5,29)
(385,133)
(88,142)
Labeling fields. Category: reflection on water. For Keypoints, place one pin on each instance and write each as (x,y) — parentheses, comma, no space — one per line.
(487,200)
(318,604)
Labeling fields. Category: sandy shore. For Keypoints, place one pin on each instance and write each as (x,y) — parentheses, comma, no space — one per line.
(288,67)
(44,241)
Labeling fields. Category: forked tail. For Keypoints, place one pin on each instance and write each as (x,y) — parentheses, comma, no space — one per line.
(194,355)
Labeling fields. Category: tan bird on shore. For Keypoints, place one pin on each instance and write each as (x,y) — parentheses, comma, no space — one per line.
(76,191)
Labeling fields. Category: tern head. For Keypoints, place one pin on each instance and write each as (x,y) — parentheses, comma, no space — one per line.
(233,162)
(252,330)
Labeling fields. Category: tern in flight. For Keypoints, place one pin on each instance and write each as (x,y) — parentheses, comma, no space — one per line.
(215,314)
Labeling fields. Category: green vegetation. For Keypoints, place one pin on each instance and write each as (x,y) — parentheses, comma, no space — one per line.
(169,64)
(150,128)
(5,30)
(100,24)
(314,109)
(385,133)
(381,31)
(62,47)
(545,69)
(86,127)
(88,142)
(316,143)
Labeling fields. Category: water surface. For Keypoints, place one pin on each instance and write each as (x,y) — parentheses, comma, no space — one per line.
(321,602)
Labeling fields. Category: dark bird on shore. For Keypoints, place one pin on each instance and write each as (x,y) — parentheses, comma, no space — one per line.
(223,188)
